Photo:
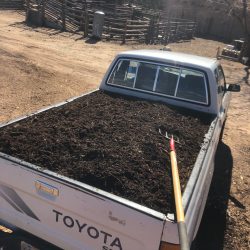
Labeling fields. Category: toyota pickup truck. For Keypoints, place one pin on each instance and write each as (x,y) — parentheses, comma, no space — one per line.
(60,212)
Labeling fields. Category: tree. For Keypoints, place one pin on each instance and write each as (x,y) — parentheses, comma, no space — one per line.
(240,10)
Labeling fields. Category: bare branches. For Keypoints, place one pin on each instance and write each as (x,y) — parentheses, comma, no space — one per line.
(239,9)
(228,6)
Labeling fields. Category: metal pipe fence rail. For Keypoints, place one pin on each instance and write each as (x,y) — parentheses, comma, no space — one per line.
(122,23)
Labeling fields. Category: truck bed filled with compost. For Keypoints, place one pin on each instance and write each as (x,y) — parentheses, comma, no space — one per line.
(112,143)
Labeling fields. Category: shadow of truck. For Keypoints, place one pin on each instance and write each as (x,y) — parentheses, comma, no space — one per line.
(213,225)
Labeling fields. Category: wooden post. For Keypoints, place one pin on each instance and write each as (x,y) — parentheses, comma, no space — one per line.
(86,28)
(109,31)
(27,10)
(63,15)
(165,34)
(115,6)
(125,32)
(168,30)
(187,31)
(149,32)
(44,2)
(147,35)
(158,29)
(175,31)
(152,31)
(194,29)
(81,16)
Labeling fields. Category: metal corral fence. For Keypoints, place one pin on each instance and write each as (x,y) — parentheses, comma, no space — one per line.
(121,22)
(12,4)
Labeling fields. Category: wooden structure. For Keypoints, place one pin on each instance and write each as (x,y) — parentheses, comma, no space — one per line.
(12,4)
(122,23)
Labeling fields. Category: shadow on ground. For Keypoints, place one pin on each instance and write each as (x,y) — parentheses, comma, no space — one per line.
(92,40)
(213,225)
(246,78)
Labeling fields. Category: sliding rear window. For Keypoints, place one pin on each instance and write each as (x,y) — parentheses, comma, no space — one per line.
(191,86)
(178,82)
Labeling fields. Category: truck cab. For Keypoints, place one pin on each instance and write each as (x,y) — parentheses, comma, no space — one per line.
(178,79)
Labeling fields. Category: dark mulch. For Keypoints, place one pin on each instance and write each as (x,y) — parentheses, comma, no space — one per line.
(112,143)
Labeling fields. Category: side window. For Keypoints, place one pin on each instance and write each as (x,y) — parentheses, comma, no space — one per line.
(167,80)
(146,76)
(124,73)
(192,86)
(220,78)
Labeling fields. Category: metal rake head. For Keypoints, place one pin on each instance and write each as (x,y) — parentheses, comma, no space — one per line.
(169,137)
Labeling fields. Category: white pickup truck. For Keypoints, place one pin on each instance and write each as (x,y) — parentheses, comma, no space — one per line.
(69,214)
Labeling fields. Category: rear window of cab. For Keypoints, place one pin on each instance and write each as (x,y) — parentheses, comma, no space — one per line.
(178,82)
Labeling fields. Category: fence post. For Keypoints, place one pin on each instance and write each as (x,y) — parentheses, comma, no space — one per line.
(194,29)
(81,16)
(175,31)
(187,31)
(158,29)
(152,30)
(43,11)
(165,34)
(125,32)
(168,31)
(63,15)
(109,29)
(27,10)
(147,34)
(86,29)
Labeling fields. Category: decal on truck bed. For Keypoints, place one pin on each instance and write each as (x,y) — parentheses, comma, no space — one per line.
(11,196)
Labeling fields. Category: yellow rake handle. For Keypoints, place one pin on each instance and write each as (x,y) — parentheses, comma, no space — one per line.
(182,230)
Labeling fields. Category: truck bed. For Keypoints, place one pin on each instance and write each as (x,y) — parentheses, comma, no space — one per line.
(112,143)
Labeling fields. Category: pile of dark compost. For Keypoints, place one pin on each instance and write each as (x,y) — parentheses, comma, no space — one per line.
(112,143)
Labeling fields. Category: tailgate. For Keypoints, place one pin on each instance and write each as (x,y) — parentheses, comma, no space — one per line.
(73,215)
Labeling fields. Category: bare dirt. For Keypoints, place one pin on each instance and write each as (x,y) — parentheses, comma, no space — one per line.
(40,67)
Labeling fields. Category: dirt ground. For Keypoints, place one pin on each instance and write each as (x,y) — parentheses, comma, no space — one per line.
(40,66)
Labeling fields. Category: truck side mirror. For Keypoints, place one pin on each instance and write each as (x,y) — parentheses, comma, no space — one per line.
(233,88)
